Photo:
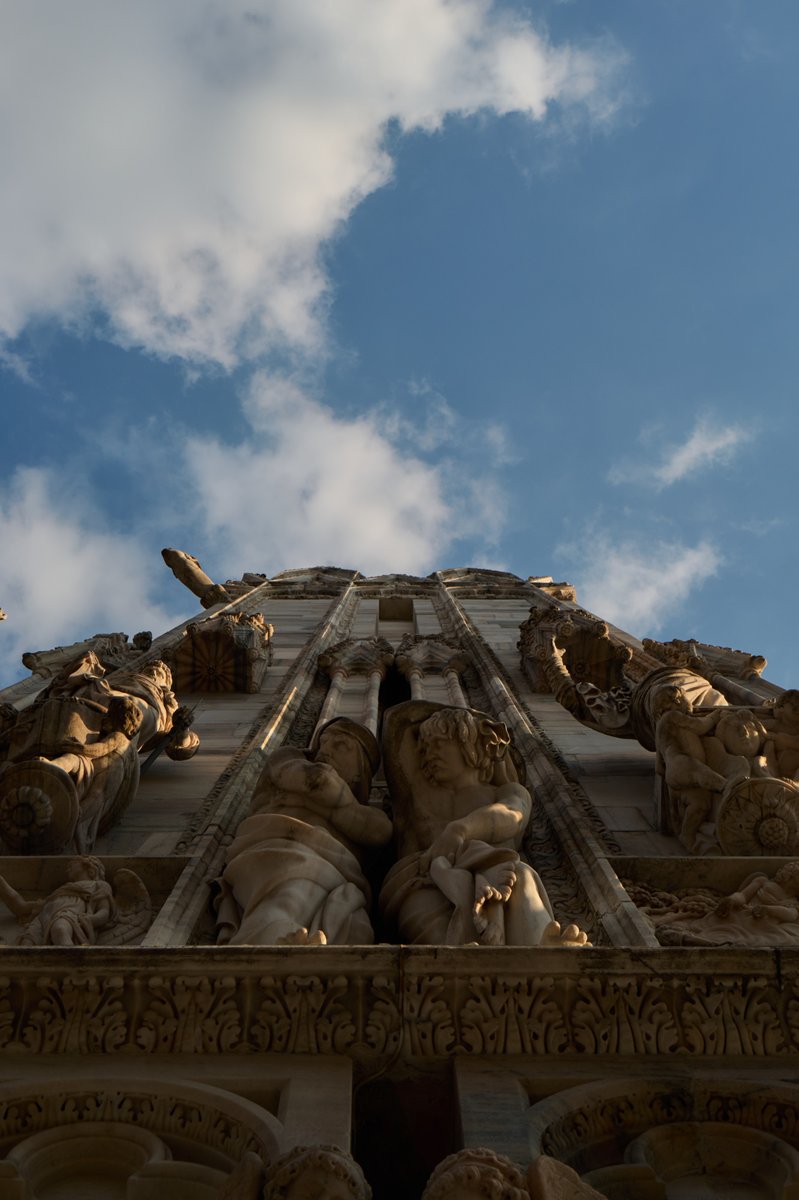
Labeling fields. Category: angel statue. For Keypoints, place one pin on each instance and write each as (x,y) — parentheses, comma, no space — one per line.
(84,911)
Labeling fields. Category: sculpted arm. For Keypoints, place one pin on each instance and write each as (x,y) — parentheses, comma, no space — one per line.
(15,903)
(501,821)
(366,826)
(325,792)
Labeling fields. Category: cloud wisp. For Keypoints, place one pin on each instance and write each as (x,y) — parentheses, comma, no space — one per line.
(173,171)
(65,574)
(638,585)
(309,486)
(710,444)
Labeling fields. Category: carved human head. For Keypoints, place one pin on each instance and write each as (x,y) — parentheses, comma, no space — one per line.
(85,867)
(480,741)
(316,1173)
(122,716)
(786,706)
(352,750)
(740,731)
(788,877)
(158,671)
(669,698)
(476,1175)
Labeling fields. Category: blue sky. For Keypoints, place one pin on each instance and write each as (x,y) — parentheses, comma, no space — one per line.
(400,286)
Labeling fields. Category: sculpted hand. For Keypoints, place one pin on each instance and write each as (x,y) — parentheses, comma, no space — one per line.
(447,844)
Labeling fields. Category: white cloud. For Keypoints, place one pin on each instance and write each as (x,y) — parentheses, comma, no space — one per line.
(309,486)
(171,171)
(709,444)
(63,576)
(638,585)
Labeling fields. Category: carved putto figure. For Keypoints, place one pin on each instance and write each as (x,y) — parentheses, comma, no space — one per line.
(460,814)
(316,1173)
(476,1174)
(729,773)
(72,762)
(293,872)
(85,910)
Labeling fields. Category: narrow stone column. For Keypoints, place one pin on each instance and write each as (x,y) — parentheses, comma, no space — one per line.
(330,706)
(454,689)
(371,701)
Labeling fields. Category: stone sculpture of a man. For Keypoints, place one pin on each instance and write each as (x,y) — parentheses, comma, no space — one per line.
(293,872)
(460,815)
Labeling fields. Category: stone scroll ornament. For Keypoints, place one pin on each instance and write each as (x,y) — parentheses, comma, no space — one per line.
(460,814)
(69,764)
(573,656)
(294,871)
(85,910)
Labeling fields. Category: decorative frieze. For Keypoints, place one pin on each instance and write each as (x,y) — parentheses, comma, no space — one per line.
(370,1003)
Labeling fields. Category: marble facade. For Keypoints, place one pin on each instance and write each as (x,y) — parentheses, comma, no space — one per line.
(145,1055)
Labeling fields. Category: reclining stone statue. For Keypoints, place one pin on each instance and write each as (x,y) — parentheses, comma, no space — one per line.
(460,814)
(72,758)
(293,873)
(84,910)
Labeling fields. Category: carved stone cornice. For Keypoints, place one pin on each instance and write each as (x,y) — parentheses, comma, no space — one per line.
(707,660)
(431,1004)
(364,657)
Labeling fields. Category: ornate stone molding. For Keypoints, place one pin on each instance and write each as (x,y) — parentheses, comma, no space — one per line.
(353,657)
(418,656)
(370,1003)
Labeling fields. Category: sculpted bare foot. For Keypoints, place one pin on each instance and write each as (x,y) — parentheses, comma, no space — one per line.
(572,936)
(301,937)
(495,883)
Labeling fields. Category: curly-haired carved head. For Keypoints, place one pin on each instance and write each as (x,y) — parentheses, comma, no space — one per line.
(476,1175)
(316,1173)
(479,741)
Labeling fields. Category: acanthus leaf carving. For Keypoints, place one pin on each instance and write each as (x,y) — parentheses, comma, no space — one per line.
(304,1015)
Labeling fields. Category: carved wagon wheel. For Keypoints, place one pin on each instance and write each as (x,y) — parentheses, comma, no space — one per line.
(760,817)
(38,807)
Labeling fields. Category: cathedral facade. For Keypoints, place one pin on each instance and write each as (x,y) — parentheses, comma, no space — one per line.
(396,886)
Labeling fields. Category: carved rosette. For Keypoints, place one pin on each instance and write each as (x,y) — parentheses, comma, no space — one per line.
(759,817)
(230,653)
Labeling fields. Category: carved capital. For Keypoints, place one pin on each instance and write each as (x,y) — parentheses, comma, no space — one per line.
(365,657)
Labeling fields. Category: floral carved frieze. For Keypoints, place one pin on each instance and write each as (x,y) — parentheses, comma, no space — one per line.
(370,1003)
